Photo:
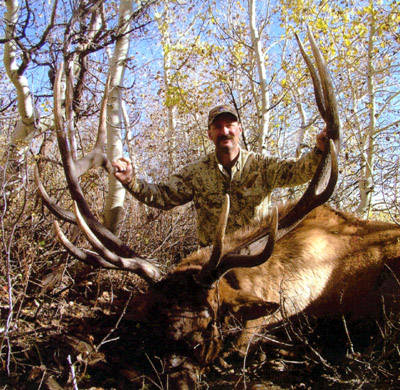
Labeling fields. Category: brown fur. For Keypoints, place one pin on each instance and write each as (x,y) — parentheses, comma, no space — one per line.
(331,263)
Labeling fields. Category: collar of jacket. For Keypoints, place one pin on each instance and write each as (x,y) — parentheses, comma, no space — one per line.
(237,167)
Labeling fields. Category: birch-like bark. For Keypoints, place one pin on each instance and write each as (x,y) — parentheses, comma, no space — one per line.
(26,124)
(29,120)
(77,69)
(365,184)
(116,192)
(300,133)
(262,110)
(163,27)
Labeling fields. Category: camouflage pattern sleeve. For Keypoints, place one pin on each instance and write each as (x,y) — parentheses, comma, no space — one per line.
(175,191)
(291,172)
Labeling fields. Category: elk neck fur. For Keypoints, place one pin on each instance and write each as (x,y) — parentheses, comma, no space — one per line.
(331,263)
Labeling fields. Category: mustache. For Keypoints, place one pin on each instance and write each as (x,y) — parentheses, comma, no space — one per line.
(224,137)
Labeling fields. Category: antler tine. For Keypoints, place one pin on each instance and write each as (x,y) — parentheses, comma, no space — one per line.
(219,264)
(311,198)
(57,98)
(323,88)
(96,157)
(55,209)
(138,265)
(71,171)
(231,260)
(65,150)
(220,234)
(105,235)
(69,111)
(331,108)
(314,77)
(207,274)
(83,255)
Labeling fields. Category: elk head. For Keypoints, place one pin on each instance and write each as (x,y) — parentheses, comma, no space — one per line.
(187,308)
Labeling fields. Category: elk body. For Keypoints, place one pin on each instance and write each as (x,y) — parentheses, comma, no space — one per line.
(331,264)
(311,260)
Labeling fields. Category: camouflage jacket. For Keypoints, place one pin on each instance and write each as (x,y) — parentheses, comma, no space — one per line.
(205,182)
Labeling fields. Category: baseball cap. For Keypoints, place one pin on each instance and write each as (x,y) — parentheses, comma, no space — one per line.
(218,110)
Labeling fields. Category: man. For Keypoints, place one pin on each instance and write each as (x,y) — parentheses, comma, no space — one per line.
(247,177)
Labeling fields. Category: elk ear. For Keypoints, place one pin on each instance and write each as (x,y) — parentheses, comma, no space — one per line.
(250,307)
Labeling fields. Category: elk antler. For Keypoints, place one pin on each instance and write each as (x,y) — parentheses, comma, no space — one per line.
(84,255)
(140,266)
(326,174)
(323,89)
(220,263)
(220,234)
(103,233)
(101,238)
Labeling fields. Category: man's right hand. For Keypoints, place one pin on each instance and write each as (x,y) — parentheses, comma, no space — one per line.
(123,170)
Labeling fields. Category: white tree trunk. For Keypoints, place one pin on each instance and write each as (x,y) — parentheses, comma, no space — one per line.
(162,22)
(262,110)
(116,192)
(26,124)
(365,184)
(303,118)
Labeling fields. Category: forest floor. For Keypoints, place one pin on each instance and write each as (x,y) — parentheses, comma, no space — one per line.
(84,327)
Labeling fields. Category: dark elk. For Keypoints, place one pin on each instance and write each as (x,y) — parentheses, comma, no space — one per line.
(311,259)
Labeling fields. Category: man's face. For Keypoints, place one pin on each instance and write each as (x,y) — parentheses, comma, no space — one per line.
(225,132)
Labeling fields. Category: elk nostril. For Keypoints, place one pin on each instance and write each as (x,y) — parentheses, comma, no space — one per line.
(176,361)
